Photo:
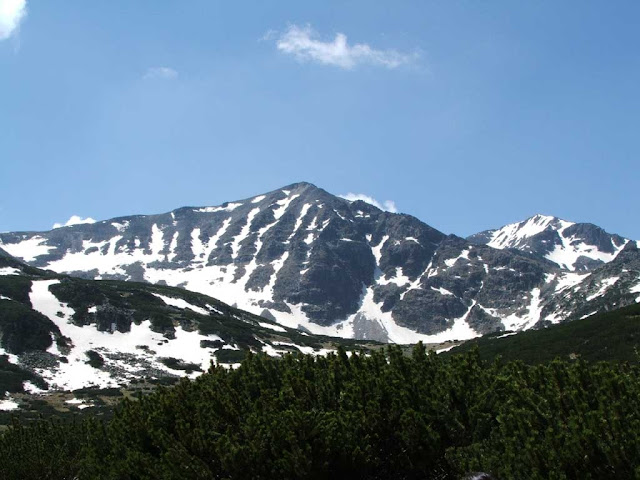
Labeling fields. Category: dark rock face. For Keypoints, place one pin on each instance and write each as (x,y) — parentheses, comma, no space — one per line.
(441,310)
(482,322)
(337,271)
(594,235)
(305,255)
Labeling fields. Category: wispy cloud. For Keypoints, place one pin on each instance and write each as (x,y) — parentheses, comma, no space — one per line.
(11,14)
(387,205)
(166,73)
(305,45)
(74,220)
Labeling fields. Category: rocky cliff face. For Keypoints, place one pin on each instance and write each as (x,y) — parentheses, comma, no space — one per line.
(322,264)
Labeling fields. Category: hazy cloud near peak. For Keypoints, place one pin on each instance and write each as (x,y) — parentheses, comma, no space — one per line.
(166,73)
(387,205)
(74,220)
(304,44)
(11,14)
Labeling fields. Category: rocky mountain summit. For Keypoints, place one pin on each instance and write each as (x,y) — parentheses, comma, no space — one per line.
(321,264)
(578,247)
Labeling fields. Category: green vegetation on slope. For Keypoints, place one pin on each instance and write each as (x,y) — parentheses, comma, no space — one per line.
(16,287)
(12,377)
(23,329)
(612,336)
(386,415)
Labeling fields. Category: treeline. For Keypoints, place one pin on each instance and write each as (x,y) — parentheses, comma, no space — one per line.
(386,415)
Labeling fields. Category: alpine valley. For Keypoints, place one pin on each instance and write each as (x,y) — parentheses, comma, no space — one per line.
(286,270)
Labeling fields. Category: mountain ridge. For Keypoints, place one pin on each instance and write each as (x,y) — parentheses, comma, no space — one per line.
(572,246)
(327,265)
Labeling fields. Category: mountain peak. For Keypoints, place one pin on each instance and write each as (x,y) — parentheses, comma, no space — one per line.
(541,218)
(572,246)
(299,186)
(304,190)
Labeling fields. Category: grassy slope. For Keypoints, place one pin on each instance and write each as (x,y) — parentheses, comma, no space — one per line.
(612,336)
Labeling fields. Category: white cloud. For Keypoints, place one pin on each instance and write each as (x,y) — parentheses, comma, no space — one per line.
(74,220)
(304,45)
(166,73)
(387,205)
(11,14)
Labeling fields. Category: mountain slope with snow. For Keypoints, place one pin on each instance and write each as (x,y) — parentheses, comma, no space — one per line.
(321,264)
(577,247)
(59,332)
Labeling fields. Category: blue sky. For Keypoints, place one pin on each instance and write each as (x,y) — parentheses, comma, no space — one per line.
(467,115)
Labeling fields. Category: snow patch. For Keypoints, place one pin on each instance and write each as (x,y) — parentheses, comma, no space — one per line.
(78,374)
(524,322)
(306,350)
(442,291)
(10,356)
(29,387)
(399,279)
(445,349)
(568,280)
(567,254)
(604,286)
(514,234)
(29,249)
(201,250)
(283,205)
(157,240)
(303,214)
(230,207)
(269,350)
(8,404)
(452,261)
(235,246)
(339,215)
(9,271)
(460,329)
(377,250)
(121,227)
(271,326)
(173,246)
(181,304)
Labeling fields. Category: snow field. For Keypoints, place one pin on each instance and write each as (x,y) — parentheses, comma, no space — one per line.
(78,374)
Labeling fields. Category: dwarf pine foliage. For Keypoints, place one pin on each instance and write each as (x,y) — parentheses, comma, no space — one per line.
(381,415)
